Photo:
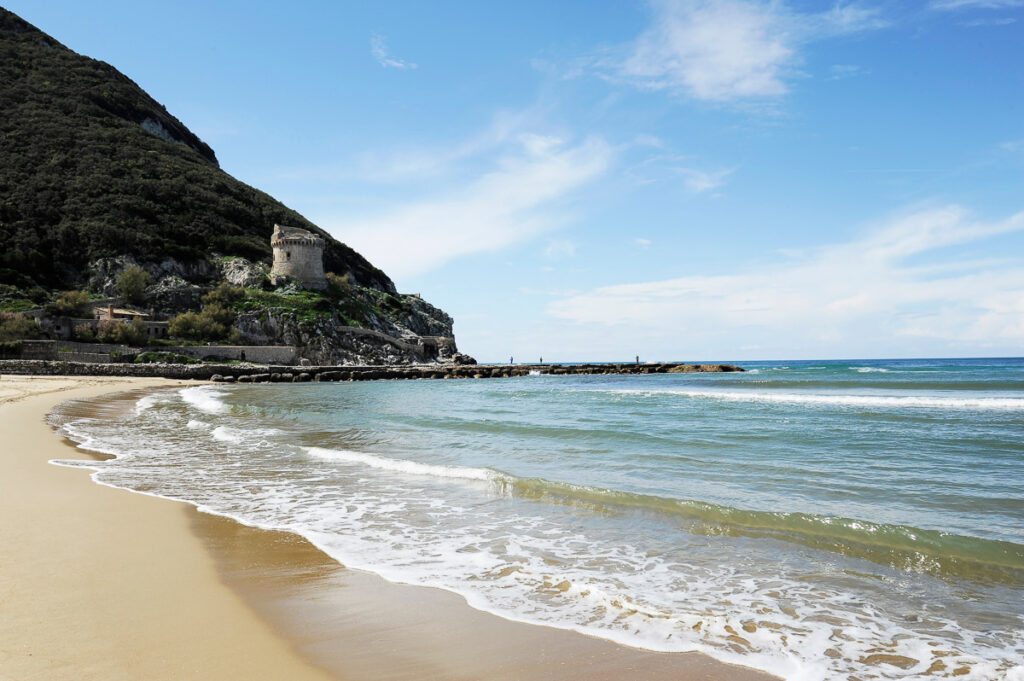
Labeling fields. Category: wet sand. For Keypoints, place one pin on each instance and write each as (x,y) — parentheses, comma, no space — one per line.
(102,583)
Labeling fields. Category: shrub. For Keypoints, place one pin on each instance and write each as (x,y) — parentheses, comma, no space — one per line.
(225,294)
(68,303)
(14,327)
(164,357)
(132,284)
(339,286)
(212,323)
(10,348)
(84,333)
(218,313)
(118,331)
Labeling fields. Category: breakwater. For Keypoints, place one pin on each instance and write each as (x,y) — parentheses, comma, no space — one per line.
(222,373)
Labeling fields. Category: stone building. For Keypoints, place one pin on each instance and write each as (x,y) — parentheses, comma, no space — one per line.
(299,256)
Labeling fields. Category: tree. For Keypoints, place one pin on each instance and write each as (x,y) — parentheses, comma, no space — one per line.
(132,284)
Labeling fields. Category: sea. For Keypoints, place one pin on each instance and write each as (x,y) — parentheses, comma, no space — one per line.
(845,520)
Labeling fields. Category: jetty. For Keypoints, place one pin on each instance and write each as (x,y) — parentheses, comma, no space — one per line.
(251,373)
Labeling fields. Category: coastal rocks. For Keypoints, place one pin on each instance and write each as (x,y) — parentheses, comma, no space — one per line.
(702,368)
(422,318)
(327,340)
(221,373)
(242,272)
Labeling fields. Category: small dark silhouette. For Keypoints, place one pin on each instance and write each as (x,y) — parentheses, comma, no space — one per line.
(510,360)
(541,360)
(638,359)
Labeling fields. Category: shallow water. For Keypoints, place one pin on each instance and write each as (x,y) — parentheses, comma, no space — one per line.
(817,520)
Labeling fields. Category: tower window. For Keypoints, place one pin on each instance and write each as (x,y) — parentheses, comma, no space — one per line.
(288,255)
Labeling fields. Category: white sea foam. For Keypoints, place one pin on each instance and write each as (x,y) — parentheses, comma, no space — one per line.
(195,424)
(236,435)
(145,403)
(204,398)
(405,466)
(870,370)
(863,401)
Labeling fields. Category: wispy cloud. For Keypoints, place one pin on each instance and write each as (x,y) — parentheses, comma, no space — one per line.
(842,71)
(379,50)
(700,181)
(558,249)
(642,243)
(1000,21)
(874,285)
(671,168)
(519,197)
(727,50)
(952,5)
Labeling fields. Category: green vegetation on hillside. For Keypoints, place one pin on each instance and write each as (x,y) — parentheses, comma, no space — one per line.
(81,178)
(16,327)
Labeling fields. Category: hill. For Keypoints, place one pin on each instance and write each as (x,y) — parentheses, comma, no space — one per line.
(92,167)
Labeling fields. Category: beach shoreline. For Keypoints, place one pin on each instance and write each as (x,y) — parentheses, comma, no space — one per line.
(105,583)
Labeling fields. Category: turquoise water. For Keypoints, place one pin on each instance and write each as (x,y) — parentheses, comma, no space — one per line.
(819,520)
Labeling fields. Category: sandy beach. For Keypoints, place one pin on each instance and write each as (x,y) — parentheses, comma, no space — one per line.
(100,583)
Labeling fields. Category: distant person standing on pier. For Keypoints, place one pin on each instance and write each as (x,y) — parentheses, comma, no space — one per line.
(510,360)
(638,359)
(541,361)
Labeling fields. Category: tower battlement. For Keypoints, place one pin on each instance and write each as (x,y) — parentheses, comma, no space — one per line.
(298,255)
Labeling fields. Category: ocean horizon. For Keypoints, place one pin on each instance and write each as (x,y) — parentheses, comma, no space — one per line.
(815,519)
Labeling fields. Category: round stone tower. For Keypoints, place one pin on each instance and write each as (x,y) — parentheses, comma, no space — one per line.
(298,255)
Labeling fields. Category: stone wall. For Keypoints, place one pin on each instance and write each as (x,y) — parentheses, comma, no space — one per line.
(73,351)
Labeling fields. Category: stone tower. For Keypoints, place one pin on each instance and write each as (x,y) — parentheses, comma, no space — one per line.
(299,255)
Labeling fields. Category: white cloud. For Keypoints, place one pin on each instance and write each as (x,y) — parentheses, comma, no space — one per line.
(557,293)
(558,249)
(841,71)
(952,5)
(1002,21)
(380,52)
(649,141)
(870,286)
(642,243)
(515,200)
(669,167)
(700,181)
(724,50)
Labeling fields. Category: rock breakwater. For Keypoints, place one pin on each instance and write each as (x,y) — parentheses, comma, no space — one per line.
(288,374)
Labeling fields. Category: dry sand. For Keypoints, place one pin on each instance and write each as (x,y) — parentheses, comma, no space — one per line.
(99,583)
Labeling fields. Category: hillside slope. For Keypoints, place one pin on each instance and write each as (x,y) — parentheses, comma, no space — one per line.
(93,167)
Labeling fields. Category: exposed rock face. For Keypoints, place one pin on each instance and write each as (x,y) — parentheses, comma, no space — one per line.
(330,341)
(242,272)
(174,293)
(423,319)
(105,271)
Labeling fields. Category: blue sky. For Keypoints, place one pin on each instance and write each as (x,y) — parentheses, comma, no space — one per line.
(719,180)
